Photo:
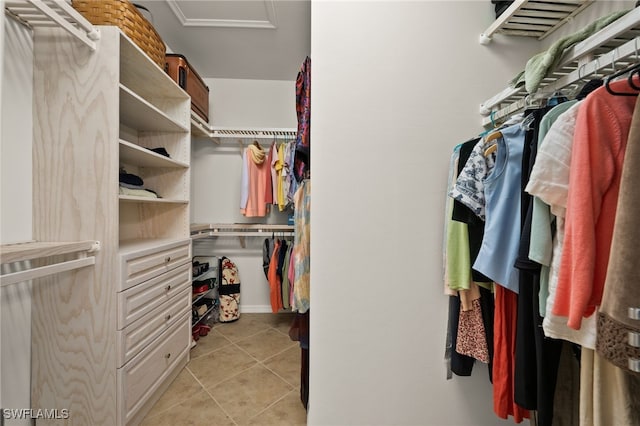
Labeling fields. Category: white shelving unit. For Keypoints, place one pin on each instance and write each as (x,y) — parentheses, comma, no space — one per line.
(47,13)
(534,18)
(121,329)
(613,47)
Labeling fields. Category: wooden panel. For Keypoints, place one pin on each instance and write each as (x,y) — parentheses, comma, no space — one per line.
(133,338)
(153,220)
(33,250)
(140,377)
(141,299)
(75,179)
(142,265)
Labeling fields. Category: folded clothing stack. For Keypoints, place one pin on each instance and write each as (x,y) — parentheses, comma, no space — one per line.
(133,185)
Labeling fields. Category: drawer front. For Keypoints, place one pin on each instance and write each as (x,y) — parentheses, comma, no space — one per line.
(137,301)
(141,376)
(138,335)
(139,267)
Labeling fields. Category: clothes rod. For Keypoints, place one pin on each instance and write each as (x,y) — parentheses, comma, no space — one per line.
(56,268)
(264,234)
(263,227)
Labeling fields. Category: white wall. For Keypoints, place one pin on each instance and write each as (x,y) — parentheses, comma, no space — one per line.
(395,86)
(1,84)
(16,135)
(215,178)
(16,73)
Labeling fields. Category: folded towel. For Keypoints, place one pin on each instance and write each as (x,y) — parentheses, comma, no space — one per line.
(138,192)
(539,65)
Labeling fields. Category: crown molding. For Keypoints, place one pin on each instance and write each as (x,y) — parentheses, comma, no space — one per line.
(270,23)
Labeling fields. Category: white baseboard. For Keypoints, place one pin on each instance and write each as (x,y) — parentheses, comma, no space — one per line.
(255,309)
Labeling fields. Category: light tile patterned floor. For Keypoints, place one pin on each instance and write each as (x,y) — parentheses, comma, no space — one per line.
(242,373)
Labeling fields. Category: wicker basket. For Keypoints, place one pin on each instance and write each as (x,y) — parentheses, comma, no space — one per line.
(124,15)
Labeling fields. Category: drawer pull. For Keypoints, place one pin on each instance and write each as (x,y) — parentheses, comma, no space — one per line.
(168,317)
(634,365)
(167,259)
(167,356)
(634,339)
(168,287)
(634,313)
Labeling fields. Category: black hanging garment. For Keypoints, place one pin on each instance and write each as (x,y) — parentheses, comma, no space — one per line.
(228,290)
(537,356)
(501,6)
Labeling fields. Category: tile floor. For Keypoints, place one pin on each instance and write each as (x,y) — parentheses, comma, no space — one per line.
(242,373)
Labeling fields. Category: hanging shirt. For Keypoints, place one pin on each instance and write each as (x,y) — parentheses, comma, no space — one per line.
(457,256)
(501,239)
(286,288)
(257,175)
(602,129)
(542,222)
(268,189)
(301,248)
(279,167)
(287,176)
(549,182)
(274,279)
(244,182)
(469,187)
(273,159)
(303,113)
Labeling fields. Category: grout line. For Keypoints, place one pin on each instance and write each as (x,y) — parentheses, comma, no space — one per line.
(213,350)
(257,362)
(211,396)
(293,387)
(246,337)
(182,400)
(221,407)
(271,405)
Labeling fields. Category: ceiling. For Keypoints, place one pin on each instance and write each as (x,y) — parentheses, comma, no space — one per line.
(244,39)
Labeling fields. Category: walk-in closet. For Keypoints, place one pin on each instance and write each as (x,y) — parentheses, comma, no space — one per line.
(204,288)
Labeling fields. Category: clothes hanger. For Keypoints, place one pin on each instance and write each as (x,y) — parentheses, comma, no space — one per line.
(489,139)
(632,70)
(635,71)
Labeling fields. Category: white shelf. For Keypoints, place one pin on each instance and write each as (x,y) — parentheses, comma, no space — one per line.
(612,47)
(140,156)
(143,76)
(43,13)
(201,128)
(138,114)
(534,18)
(132,199)
(253,133)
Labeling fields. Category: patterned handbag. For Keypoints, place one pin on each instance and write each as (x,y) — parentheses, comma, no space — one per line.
(229,290)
